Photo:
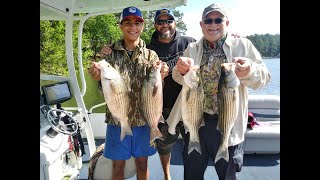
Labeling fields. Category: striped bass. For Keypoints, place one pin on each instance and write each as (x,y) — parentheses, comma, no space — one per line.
(116,95)
(228,105)
(192,96)
(152,102)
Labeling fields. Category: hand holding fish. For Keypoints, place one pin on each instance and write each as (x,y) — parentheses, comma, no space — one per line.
(94,70)
(164,70)
(183,64)
(242,66)
(105,50)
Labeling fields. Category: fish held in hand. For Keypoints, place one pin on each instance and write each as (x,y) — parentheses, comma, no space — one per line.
(228,105)
(152,102)
(116,95)
(192,96)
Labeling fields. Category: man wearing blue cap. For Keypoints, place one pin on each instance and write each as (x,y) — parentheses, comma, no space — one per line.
(131,57)
(169,44)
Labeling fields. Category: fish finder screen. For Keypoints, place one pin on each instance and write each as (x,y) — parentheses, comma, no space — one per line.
(57,92)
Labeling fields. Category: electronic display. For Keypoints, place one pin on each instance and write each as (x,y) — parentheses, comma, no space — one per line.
(57,92)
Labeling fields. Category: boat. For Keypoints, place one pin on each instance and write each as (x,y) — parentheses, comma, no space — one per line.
(71,136)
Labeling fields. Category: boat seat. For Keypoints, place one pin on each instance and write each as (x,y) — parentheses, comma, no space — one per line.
(267,129)
(264,138)
(264,102)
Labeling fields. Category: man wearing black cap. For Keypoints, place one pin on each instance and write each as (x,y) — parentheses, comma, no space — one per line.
(131,58)
(217,46)
(169,44)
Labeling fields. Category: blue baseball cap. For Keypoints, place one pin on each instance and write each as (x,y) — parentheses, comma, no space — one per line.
(131,11)
(162,12)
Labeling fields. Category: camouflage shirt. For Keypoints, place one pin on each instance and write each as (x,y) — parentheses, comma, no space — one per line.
(210,67)
(133,70)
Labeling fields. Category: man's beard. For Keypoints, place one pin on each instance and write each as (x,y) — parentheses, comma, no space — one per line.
(166,35)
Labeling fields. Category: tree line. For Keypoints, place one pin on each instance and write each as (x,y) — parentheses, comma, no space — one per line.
(268,45)
(103,29)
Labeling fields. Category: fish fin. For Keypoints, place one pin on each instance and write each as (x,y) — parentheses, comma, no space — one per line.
(155,134)
(222,153)
(116,120)
(113,86)
(218,128)
(188,95)
(194,146)
(202,123)
(152,144)
(125,130)
(186,129)
(155,89)
(161,119)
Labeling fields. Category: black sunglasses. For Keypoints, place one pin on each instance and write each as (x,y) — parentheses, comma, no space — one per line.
(161,22)
(216,21)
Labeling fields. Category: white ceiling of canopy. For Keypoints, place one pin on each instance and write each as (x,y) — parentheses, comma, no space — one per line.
(61,9)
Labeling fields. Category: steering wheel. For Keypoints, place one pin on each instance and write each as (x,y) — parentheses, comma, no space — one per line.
(62,122)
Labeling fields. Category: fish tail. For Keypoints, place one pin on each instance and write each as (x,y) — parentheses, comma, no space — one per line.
(194,146)
(223,148)
(222,153)
(125,129)
(155,134)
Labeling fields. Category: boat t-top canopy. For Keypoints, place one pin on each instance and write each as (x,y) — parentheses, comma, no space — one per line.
(63,9)
(80,10)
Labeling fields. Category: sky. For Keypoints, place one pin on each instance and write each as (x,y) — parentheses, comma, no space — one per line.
(247,17)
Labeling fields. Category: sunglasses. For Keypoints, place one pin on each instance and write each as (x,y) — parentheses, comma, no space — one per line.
(216,21)
(161,22)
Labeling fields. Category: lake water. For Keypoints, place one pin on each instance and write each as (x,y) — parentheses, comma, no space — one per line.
(273,88)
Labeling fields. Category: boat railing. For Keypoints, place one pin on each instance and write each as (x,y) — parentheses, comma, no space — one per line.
(96,106)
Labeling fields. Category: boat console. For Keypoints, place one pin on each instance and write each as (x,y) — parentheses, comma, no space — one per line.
(61,145)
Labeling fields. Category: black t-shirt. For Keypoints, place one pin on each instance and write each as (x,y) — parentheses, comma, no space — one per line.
(170,53)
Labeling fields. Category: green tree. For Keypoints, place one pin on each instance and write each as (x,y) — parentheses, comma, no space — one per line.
(181,26)
(268,45)
(100,30)
(52,47)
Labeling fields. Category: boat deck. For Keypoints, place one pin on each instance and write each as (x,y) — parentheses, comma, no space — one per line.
(255,167)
